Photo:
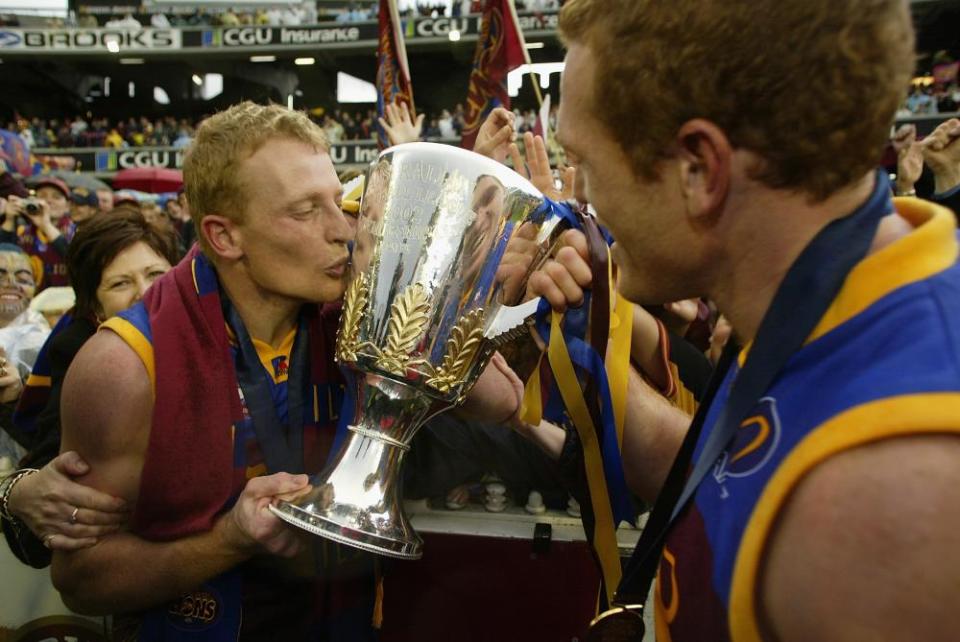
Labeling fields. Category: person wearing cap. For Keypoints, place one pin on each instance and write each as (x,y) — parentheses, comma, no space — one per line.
(41,226)
(84,205)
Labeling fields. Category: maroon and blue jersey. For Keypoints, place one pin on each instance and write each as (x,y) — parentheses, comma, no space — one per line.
(882,363)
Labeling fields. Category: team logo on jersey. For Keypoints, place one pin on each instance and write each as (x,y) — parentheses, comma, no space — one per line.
(195,611)
(755,443)
(668,589)
(280,367)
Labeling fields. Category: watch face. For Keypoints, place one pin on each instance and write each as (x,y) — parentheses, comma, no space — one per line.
(619,624)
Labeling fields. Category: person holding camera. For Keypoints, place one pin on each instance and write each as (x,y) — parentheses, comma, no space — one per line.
(41,226)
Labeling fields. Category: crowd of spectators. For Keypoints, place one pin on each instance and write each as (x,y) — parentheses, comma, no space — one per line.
(88,131)
(340,124)
(936,98)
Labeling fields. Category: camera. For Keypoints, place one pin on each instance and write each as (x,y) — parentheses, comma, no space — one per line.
(32,206)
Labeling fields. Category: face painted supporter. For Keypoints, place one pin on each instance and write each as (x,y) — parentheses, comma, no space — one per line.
(112,261)
(22,330)
(722,172)
(17,283)
(177,435)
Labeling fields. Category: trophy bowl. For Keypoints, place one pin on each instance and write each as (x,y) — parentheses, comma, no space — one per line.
(422,315)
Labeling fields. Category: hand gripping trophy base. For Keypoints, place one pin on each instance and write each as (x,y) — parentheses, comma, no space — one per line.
(366,513)
(356,499)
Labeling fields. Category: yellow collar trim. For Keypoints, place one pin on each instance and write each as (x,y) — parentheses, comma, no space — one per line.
(267,353)
(931,248)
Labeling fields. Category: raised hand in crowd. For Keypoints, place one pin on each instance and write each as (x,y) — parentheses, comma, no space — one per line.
(252,528)
(496,134)
(10,383)
(941,152)
(909,159)
(400,125)
(537,169)
(63,514)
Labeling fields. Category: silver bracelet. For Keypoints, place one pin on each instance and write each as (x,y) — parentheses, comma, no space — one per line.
(7,486)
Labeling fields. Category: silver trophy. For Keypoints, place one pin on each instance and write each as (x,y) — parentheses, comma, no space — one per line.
(424,311)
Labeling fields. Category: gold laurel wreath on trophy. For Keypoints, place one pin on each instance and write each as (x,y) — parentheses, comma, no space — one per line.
(354,302)
(408,319)
(462,346)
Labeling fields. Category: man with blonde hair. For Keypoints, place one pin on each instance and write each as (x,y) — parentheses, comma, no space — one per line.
(730,146)
(223,392)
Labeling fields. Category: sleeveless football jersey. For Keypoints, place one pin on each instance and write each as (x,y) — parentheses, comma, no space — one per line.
(883,362)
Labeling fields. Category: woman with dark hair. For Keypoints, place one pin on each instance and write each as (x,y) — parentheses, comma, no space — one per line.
(111,262)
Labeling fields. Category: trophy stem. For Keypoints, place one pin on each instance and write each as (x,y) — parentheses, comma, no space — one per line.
(357,499)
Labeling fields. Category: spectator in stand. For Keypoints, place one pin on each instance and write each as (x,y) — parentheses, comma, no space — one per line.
(229,19)
(22,330)
(159,21)
(86,19)
(446,125)
(920,101)
(127,22)
(114,139)
(184,136)
(333,129)
(105,199)
(308,12)
(112,263)
(433,129)
(30,223)
(84,205)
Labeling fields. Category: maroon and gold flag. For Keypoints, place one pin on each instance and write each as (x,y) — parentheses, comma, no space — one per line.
(393,72)
(500,50)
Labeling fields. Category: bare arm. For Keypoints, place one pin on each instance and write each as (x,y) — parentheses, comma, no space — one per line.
(652,434)
(653,427)
(110,429)
(866,547)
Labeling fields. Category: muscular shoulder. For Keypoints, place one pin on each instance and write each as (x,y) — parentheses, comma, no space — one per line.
(865,548)
(106,410)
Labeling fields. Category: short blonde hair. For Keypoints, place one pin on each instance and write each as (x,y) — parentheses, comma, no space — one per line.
(811,86)
(211,175)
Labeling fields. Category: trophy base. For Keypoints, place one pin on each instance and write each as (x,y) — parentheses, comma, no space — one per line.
(343,534)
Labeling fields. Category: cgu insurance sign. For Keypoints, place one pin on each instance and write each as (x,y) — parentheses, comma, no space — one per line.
(88,40)
(111,161)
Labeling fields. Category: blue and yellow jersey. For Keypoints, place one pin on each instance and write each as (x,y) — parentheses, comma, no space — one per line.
(881,363)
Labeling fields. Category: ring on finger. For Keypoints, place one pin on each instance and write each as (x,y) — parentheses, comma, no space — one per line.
(47,539)
(73,515)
